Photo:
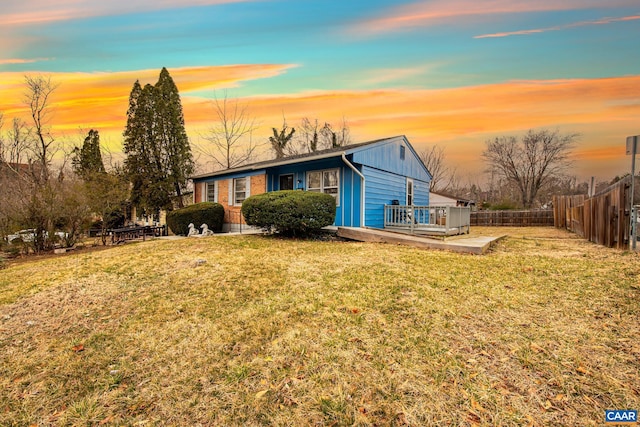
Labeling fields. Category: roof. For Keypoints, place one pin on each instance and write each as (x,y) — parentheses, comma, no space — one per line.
(451,196)
(322,154)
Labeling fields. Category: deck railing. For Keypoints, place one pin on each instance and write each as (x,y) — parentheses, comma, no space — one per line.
(440,219)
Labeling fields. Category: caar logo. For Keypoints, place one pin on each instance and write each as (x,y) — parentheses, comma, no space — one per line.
(620,416)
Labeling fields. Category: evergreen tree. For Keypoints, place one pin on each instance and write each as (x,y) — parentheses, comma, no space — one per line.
(137,161)
(179,163)
(87,160)
(159,158)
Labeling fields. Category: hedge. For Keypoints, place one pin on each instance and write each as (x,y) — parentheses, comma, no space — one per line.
(208,213)
(290,212)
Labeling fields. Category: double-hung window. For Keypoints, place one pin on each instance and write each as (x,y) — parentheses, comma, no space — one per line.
(239,190)
(212,191)
(325,181)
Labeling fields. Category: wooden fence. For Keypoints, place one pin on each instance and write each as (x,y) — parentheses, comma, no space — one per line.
(528,218)
(603,218)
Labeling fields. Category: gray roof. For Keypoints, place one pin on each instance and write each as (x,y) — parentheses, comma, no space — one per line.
(306,157)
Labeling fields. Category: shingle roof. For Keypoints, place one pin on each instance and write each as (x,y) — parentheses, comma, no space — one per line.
(322,154)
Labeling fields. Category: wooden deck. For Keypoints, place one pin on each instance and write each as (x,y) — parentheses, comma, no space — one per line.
(427,220)
(426,230)
(470,245)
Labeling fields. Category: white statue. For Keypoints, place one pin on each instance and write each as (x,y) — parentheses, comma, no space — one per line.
(206,231)
(192,230)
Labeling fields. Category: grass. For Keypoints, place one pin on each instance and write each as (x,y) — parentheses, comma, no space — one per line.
(544,330)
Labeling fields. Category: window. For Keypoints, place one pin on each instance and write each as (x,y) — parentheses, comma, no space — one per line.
(286,182)
(402,150)
(326,181)
(212,191)
(409,192)
(239,190)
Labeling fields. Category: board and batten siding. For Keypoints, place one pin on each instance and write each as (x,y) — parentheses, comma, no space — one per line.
(380,189)
(388,157)
(421,195)
(384,187)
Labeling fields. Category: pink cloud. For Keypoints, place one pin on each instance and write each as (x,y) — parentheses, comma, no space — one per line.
(423,14)
(10,61)
(603,21)
(38,11)
(386,75)
(604,110)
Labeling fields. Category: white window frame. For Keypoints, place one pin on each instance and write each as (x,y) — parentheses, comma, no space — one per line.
(410,194)
(233,199)
(323,187)
(214,187)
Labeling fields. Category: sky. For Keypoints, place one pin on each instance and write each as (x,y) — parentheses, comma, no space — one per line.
(452,73)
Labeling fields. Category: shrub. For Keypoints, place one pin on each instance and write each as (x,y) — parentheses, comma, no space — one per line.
(208,213)
(504,205)
(290,212)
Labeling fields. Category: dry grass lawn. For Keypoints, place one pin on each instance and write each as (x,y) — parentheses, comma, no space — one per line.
(251,330)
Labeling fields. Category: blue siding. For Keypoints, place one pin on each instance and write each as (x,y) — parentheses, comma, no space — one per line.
(348,209)
(386,156)
(381,188)
(385,172)
(420,193)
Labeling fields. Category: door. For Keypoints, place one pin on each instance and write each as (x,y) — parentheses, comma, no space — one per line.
(286,182)
(409,192)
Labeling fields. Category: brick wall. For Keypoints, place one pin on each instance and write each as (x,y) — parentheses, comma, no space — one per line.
(232,213)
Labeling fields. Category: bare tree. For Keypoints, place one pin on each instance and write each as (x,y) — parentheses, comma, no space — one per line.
(442,176)
(37,97)
(231,142)
(313,137)
(330,138)
(281,138)
(30,196)
(308,135)
(530,162)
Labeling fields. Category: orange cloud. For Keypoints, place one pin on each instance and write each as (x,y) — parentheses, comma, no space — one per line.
(602,21)
(424,14)
(92,99)
(604,111)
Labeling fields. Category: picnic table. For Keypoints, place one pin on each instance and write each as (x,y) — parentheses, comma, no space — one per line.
(120,235)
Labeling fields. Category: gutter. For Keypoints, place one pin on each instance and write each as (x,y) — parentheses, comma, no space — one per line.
(362,192)
(265,165)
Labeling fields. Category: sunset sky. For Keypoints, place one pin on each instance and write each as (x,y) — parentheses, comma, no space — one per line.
(448,72)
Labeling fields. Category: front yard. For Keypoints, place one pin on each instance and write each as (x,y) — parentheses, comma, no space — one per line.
(248,330)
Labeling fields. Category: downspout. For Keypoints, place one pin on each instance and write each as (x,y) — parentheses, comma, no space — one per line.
(362,199)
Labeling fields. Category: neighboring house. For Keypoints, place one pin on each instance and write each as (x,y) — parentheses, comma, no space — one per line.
(442,199)
(370,174)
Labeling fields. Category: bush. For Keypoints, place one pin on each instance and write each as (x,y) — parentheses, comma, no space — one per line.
(208,213)
(504,205)
(290,212)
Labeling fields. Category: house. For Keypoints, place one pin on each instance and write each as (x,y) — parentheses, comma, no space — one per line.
(362,177)
(443,199)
